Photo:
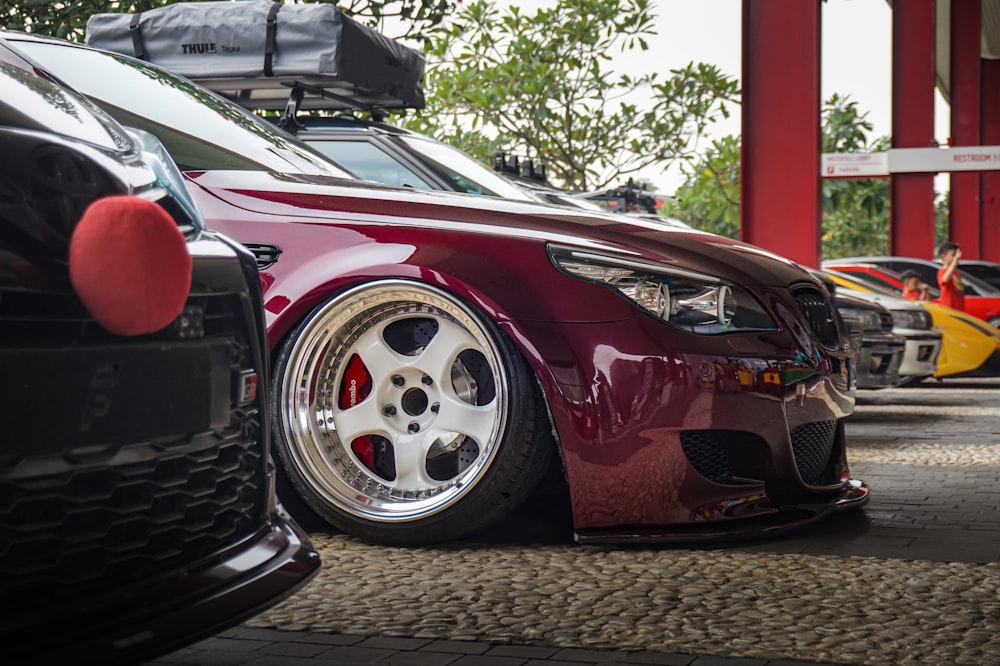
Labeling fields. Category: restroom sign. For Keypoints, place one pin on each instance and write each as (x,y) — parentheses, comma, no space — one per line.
(935,160)
(910,160)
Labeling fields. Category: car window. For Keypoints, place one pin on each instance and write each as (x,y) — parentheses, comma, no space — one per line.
(985,273)
(369,162)
(975,285)
(200,130)
(467,174)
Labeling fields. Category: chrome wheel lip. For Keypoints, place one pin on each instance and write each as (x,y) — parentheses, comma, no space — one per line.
(307,400)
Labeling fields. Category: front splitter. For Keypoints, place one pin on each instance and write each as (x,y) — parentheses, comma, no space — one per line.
(788,517)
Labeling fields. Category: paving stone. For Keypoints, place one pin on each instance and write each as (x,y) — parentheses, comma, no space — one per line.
(458,647)
(294,649)
(522,651)
(356,654)
(592,656)
(485,660)
(391,643)
(422,658)
(912,578)
(657,659)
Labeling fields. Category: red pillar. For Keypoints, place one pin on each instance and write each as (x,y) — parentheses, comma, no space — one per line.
(966,28)
(989,212)
(780,196)
(911,227)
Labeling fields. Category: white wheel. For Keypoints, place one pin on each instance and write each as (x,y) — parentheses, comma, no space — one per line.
(403,417)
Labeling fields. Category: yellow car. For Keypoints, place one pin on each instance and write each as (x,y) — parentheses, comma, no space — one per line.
(969,346)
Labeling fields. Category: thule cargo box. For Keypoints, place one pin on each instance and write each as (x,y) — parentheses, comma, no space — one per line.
(256,51)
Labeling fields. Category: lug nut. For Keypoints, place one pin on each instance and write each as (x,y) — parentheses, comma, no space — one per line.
(436,407)
(397,380)
(414,427)
(389,410)
(427,380)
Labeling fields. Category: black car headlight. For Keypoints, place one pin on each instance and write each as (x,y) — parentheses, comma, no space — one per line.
(913,319)
(683,299)
(868,319)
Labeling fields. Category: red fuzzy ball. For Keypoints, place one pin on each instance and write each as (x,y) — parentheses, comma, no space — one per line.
(129,264)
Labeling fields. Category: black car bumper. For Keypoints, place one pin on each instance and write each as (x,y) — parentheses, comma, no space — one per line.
(153,619)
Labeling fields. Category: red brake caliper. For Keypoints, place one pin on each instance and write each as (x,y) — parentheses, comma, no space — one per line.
(354,388)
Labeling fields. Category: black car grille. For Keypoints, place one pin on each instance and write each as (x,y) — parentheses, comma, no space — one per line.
(812,445)
(733,456)
(819,315)
(42,319)
(885,318)
(724,456)
(265,254)
(86,520)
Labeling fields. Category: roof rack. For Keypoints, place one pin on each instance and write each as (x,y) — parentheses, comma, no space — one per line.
(305,94)
(627,198)
(527,169)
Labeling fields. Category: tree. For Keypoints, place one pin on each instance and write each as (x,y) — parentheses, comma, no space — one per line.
(538,85)
(69,19)
(855,212)
(710,197)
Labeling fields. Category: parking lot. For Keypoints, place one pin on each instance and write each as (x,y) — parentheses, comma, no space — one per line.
(913,578)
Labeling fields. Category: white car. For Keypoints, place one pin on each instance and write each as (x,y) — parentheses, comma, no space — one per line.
(912,322)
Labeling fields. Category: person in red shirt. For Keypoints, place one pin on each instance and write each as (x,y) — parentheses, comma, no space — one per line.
(914,288)
(949,281)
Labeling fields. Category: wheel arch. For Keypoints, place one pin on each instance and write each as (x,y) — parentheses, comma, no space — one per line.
(284,324)
(534,419)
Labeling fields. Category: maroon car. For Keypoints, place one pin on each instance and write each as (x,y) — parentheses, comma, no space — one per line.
(433,351)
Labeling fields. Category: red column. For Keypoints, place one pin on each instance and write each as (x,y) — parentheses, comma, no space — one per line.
(911,227)
(966,28)
(989,212)
(780,186)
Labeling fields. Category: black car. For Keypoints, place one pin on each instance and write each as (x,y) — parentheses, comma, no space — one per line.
(137,505)
(878,350)
(987,271)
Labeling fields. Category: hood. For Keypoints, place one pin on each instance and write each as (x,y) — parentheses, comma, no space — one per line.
(887,300)
(331,200)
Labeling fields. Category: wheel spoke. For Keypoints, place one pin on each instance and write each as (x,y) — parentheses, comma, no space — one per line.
(439,355)
(359,420)
(378,357)
(411,463)
(473,421)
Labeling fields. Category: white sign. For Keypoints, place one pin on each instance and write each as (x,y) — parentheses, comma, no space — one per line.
(910,160)
(855,165)
(936,160)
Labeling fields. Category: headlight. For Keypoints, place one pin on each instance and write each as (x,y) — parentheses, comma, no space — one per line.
(914,319)
(869,320)
(686,300)
(168,175)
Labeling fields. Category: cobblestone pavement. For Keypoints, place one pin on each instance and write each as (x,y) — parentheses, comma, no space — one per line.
(913,578)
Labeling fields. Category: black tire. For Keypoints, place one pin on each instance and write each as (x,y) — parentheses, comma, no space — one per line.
(404,417)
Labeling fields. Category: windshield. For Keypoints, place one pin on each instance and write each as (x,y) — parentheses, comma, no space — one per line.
(201,130)
(467,174)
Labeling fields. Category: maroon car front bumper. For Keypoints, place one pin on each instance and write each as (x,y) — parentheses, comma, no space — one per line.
(673,437)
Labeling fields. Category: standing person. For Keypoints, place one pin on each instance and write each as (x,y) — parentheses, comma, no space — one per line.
(949,281)
(914,288)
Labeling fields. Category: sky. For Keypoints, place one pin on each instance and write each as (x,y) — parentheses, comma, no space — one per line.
(856,57)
